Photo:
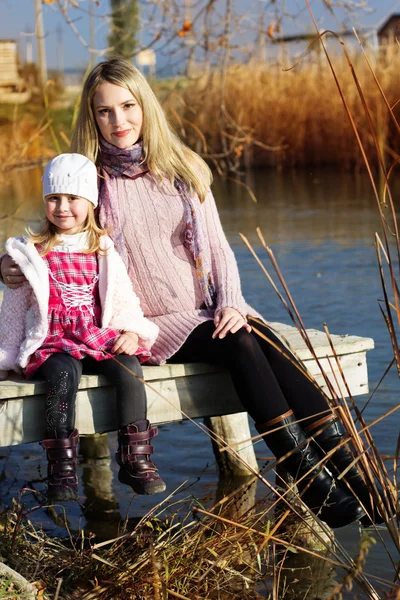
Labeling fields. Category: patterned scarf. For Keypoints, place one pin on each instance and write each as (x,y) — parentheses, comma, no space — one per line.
(131,163)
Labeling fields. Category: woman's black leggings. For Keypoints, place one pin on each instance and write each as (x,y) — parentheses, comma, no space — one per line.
(63,373)
(267,383)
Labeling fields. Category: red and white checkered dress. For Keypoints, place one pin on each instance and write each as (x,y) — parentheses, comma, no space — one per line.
(74,314)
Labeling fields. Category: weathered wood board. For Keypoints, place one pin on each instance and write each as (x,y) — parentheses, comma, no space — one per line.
(175,391)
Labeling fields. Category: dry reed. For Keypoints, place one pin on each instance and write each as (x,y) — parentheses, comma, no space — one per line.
(260,114)
(219,554)
(296,113)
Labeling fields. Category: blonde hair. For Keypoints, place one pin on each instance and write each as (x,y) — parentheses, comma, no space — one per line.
(166,155)
(47,237)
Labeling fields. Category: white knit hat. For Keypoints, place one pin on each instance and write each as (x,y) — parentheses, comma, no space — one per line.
(71,174)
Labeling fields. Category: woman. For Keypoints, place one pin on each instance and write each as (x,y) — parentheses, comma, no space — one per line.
(155,199)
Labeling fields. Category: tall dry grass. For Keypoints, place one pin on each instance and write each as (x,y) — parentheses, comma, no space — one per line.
(21,141)
(257,114)
(32,133)
(266,115)
(219,554)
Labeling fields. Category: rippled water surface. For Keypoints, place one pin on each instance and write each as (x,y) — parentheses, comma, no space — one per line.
(321,228)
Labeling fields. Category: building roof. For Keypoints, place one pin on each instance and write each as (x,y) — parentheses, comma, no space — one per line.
(298,37)
(393,17)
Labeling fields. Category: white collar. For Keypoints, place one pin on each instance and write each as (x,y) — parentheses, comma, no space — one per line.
(74,241)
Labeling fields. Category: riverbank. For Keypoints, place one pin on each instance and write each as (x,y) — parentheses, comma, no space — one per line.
(229,552)
(260,114)
(267,116)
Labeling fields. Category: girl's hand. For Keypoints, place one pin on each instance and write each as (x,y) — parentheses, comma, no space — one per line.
(228,320)
(11,273)
(127,343)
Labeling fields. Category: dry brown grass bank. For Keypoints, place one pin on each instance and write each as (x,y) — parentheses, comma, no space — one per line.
(254,115)
(254,106)
(32,133)
(221,554)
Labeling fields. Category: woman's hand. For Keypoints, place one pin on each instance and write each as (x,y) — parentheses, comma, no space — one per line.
(11,273)
(228,320)
(127,343)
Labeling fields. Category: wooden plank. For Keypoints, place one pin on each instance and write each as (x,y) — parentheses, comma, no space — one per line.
(197,395)
(174,391)
(14,387)
(22,418)
(343,344)
(232,429)
(354,367)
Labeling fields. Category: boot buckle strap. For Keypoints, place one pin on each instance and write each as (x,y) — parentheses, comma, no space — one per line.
(141,466)
(68,468)
(130,437)
(61,454)
(134,450)
(70,442)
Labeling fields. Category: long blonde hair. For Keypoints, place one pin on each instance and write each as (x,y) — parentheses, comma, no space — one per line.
(47,237)
(166,155)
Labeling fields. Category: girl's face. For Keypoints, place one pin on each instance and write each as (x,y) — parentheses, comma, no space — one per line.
(68,213)
(118,115)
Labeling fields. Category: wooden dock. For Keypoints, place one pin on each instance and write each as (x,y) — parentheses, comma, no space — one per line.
(176,392)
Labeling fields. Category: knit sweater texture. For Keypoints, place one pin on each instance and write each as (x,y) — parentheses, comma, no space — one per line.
(161,268)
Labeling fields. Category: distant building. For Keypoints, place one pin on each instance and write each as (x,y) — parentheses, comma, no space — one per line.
(8,64)
(294,46)
(11,85)
(146,61)
(375,38)
(389,30)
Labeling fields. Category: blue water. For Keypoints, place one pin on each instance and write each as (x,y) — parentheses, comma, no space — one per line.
(320,226)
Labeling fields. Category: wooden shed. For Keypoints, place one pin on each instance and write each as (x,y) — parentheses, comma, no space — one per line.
(12,86)
(8,64)
(389,30)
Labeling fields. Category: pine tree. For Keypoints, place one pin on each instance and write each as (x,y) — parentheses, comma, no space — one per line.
(124,26)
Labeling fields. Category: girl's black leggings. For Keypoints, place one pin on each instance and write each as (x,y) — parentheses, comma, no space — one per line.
(268,384)
(63,373)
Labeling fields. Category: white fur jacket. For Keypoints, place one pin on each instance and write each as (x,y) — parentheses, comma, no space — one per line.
(23,314)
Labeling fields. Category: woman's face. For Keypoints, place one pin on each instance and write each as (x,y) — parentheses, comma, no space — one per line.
(118,115)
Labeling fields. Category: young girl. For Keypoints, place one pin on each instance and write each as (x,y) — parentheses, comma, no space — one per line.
(77,313)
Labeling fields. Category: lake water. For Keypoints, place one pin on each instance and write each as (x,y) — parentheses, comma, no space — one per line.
(320,225)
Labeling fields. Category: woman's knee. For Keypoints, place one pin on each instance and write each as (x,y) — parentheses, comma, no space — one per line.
(240,342)
(273,348)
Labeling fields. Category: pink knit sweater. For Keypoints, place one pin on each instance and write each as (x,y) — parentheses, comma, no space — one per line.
(162,269)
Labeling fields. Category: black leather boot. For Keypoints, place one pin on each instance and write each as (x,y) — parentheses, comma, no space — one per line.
(133,456)
(331,434)
(62,482)
(332,504)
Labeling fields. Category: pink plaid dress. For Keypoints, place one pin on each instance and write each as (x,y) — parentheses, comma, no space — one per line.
(74,314)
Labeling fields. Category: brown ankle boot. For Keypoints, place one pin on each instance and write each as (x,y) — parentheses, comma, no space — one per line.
(133,456)
(62,482)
